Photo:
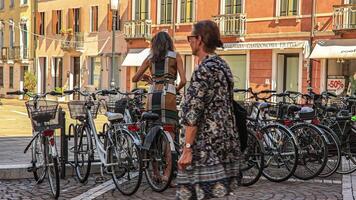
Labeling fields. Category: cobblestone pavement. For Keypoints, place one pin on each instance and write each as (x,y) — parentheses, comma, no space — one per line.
(70,188)
(261,190)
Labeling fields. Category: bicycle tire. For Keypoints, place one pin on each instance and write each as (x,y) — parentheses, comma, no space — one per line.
(82,147)
(348,165)
(37,150)
(254,159)
(52,171)
(334,152)
(273,154)
(158,146)
(128,176)
(309,139)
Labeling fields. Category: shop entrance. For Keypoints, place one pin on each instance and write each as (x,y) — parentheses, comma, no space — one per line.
(287,72)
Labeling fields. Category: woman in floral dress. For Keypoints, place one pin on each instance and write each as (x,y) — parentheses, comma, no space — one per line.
(208,167)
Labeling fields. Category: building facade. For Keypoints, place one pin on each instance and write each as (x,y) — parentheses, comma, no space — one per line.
(74,44)
(16,22)
(266,43)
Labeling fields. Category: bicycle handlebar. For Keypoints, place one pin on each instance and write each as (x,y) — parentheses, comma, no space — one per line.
(18,92)
(26,92)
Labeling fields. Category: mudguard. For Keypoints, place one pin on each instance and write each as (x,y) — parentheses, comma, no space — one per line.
(151,135)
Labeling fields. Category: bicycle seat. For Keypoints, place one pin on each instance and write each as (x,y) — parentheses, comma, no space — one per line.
(114,117)
(294,108)
(147,116)
(263,105)
(331,109)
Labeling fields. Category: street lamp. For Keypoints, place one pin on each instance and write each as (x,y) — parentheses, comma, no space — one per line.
(114,6)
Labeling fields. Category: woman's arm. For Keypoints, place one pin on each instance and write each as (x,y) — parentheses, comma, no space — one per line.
(180,68)
(140,72)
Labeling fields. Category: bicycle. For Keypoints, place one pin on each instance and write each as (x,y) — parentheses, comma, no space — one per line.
(119,155)
(44,119)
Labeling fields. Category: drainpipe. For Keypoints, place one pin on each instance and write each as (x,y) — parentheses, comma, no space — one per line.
(34,44)
(312,35)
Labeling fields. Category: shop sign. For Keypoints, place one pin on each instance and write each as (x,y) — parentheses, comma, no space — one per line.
(336,85)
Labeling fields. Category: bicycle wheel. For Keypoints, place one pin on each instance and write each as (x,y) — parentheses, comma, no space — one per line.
(348,152)
(38,160)
(82,153)
(52,170)
(158,165)
(252,160)
(313,151)
(281,152)
(334,152)
(125,157)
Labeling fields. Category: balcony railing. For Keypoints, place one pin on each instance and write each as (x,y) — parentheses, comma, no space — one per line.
(73,42)
(344,17)
(231,24)
(138,29)
(14,53)
(4,53)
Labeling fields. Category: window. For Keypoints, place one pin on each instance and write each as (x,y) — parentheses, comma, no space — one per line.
(166,12)
(110,19)
(1,76)
(23,2)
(2,4)
(57,21)
(11,3)
(1,37)
(77,20)
(11,77)
(11,34)
(237,64)
(141,9)
(94,19)
(41,23)
(186,11)
(233,6)
(58,72)
(95,71)
(24,69)
(24,36)
(288,7)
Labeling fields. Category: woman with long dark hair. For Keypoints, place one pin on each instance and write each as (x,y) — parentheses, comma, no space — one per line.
(164,64)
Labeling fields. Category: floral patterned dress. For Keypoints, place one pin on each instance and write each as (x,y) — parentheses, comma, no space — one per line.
(216,149)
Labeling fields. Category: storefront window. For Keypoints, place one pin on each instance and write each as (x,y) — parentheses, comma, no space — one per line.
(341,76)
(237,65)
(95,72)
(287,72)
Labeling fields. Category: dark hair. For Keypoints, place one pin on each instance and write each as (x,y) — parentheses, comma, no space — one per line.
(160,44)
(209,33)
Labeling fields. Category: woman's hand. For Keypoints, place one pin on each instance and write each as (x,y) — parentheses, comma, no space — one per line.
(185,159)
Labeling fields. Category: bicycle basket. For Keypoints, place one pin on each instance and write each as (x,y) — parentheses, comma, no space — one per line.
(117,106)
(43,115)
(248,105)
(78,111)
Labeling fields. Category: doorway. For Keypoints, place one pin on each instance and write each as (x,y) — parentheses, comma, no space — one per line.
(288,72)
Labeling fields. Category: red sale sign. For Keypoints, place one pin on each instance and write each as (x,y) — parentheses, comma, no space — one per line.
(336,84)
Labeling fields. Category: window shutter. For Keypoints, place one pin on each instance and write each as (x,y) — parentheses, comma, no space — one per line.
(96,18)
(54,21)
(38,22)
(70,19)
(109,24)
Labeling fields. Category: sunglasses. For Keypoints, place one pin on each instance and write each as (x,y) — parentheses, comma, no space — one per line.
(189,37)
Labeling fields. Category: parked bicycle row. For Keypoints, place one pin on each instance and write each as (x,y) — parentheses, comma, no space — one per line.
(285,138)
(300,135)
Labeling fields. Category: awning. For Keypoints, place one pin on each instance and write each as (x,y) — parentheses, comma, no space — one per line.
(345,48)
(135,57)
